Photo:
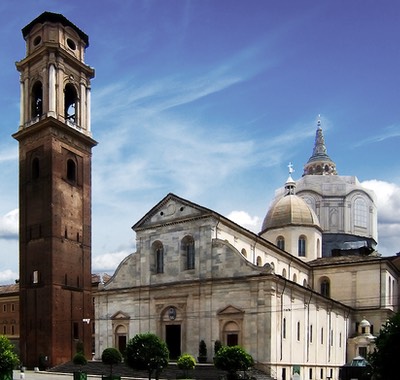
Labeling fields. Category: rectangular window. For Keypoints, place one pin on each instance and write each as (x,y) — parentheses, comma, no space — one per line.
(76,330)
(284,328)
(298,330)
(310,373)
(362,351)
(311,334)
(4,308)
(322,335)
(322,373)
(35,276)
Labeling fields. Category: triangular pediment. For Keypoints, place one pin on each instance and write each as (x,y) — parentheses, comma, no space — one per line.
(171,209)
(120,315)
(229,310)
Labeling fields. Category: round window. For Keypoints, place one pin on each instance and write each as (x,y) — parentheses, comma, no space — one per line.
(37,40)
(71,44)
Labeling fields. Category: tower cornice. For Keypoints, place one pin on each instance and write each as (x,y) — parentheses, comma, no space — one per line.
(51,122)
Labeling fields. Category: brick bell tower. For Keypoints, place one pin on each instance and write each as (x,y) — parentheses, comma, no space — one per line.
(55,145)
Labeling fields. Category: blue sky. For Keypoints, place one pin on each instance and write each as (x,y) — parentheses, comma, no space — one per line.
(210,100)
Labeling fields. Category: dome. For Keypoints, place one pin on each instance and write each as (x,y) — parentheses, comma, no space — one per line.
(365,323)
(290,210)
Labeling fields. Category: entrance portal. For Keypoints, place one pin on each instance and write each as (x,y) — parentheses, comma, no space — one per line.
(173,340)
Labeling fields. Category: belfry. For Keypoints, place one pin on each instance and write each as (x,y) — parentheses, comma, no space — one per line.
(55,145)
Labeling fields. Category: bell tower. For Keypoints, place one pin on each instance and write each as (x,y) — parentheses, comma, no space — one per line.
(55,145)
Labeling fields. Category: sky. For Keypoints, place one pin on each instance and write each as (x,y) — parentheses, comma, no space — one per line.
(210,100)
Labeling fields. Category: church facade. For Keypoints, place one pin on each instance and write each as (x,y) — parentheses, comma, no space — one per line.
(294,307)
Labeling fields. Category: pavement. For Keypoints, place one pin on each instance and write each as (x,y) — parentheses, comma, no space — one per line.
(44,375)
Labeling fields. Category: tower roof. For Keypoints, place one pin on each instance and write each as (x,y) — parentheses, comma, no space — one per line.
(54,18)
(319,163)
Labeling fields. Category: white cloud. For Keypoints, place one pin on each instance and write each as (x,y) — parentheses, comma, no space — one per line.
(245,220)
(388,204)
(108,261)
(7,276)
(9,225)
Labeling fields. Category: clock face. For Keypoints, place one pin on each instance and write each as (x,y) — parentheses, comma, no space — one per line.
(172,313)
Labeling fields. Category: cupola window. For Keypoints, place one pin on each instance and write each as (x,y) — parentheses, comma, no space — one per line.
(302,246)
(360,213)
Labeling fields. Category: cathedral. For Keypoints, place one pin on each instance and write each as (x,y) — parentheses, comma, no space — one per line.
(304,296)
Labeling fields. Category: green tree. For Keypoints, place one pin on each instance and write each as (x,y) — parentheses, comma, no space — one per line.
(217,346)
(233,359)
(186,362)
(202,358)
(111,356)
(147,352)
(79,359)
(8,358)
(384,360)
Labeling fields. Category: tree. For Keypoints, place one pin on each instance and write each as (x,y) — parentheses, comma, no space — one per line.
(384,360)
(217,346)
(147,352)
(233,359)
(202,358)
(186,362)
(8,358)
(111,356)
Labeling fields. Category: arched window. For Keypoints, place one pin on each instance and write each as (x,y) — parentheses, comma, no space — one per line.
(37,100)
(294,277)
(302,246)
(35,168)
(360,213)
(325,287)
(70,103)
(71,170)
(284,272)
(189,252)
(158,251)
(244,253)
(280,242)
(259,261)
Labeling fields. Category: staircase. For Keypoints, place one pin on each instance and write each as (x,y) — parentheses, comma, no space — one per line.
(201,372)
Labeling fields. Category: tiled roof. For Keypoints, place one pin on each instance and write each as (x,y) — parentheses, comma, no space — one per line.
(9,289)
(348,259)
